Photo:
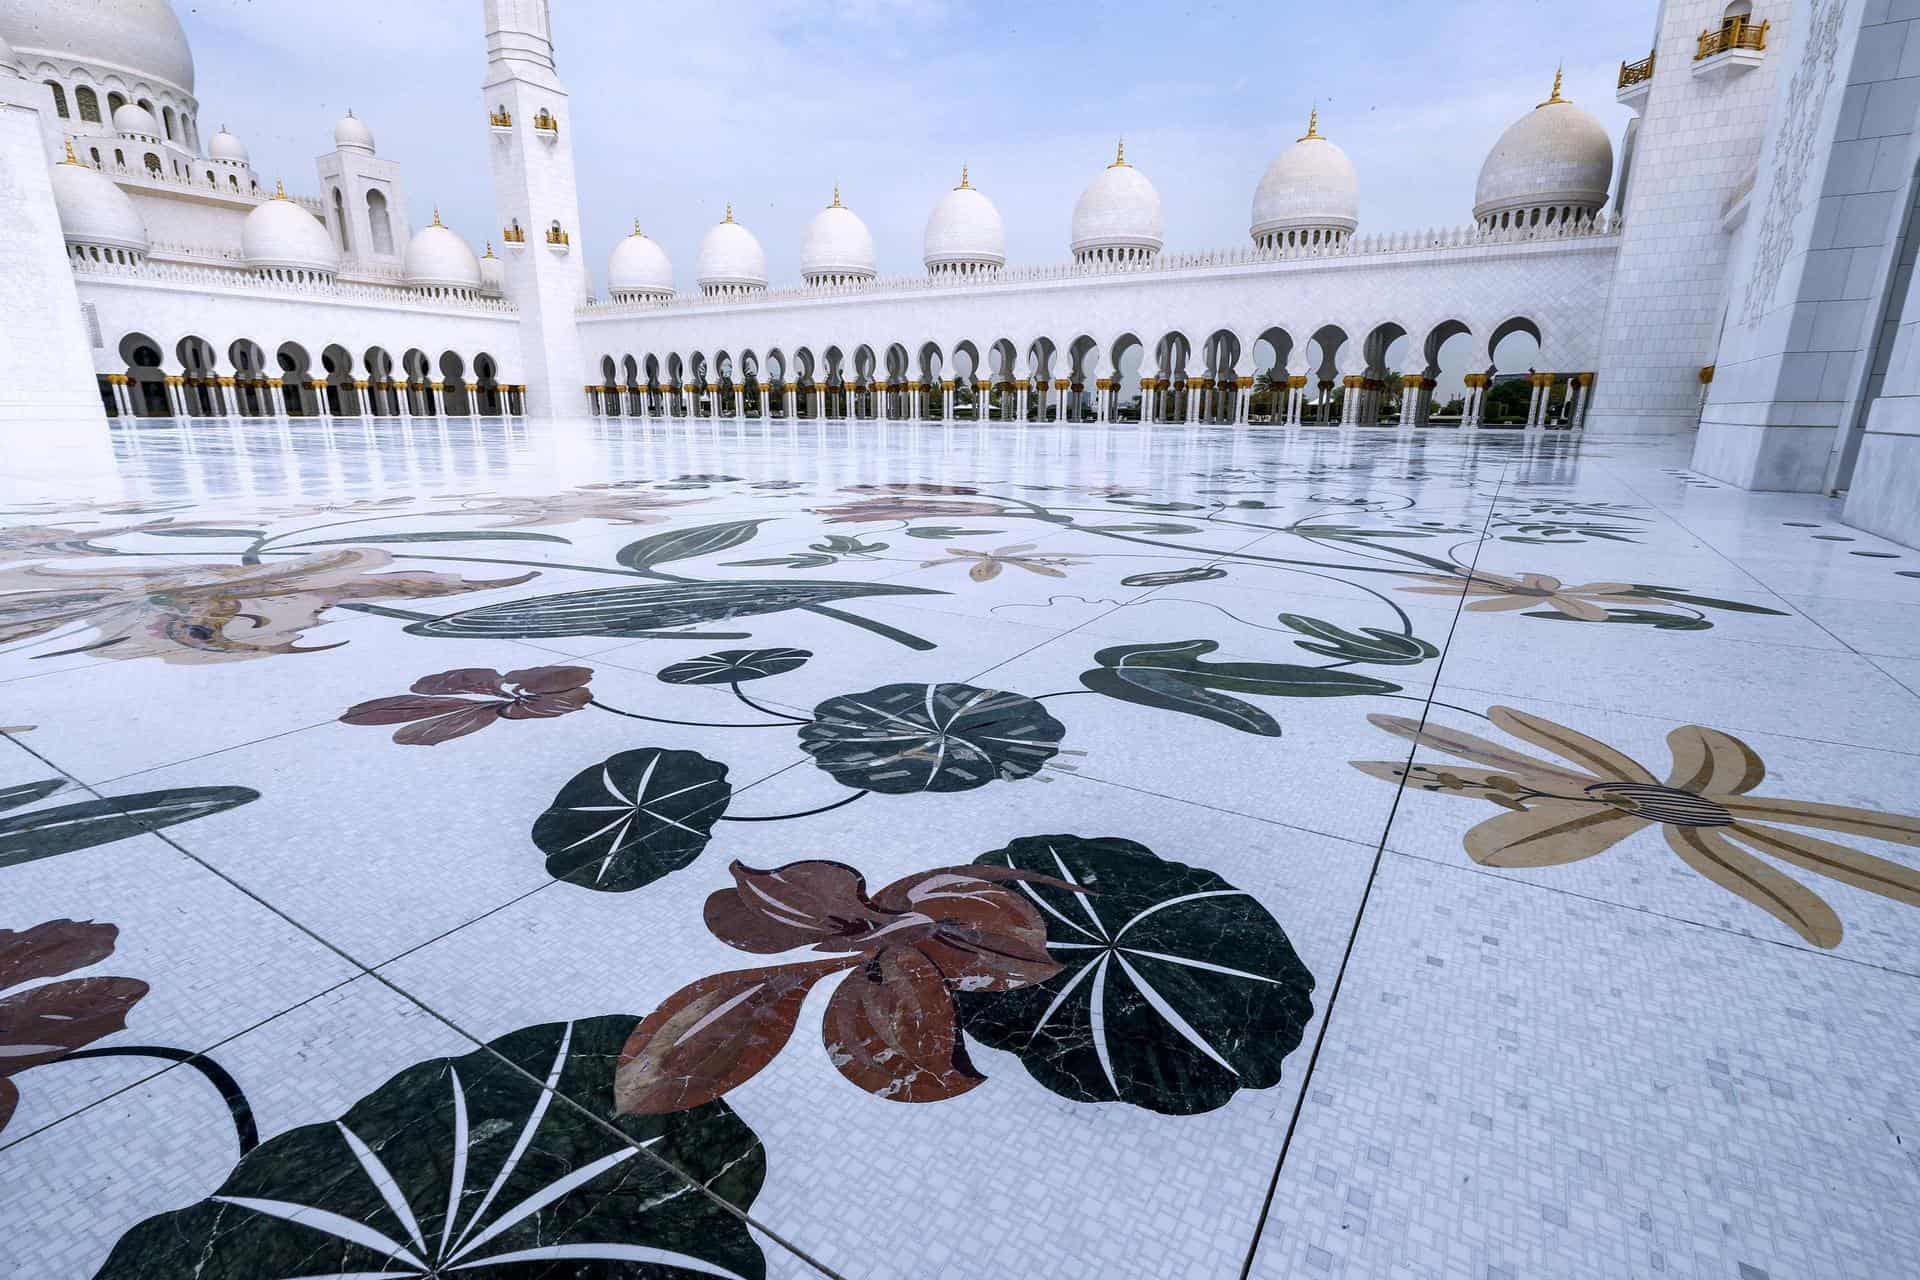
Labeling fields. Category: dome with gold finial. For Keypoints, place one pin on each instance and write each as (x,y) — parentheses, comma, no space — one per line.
(96,216)
(281,237)
(965,235)
(731,260)
(1309,196)
(493,273)
(639,269)
(1118,217)
(1552,166)
(838,248)
(437,258)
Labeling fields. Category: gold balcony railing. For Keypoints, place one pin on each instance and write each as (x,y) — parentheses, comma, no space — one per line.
(1633,73)
(1736,33)
(513,235)
(501,119)
(543,120)
(556,236)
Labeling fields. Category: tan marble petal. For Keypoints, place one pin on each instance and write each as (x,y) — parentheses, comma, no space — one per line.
(1849,866)
(1606,763)
(1709,852)
(1707,760)
(1832,817)
(1549,834)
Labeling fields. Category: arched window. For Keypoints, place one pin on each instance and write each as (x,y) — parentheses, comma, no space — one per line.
(340,218)
(211,180)
(95,153)
(166,120)
(233,180)
(89,103)
(120,157)
(381,224)
(59,98)
(115,101)
(153,163)
(147,107)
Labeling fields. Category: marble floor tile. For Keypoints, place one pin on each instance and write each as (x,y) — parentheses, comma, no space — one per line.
(1523,1083)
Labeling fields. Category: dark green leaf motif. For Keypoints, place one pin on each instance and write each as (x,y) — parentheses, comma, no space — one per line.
(467,1166)
(1170,676)
(684,544)
(1178,990)
(633,818)
(1370,644)
(1705,602)
(1638,617)
(735,666)
(905,738)
(447,535)
(42,833)
(643,610)
(1174,577)
(27,792)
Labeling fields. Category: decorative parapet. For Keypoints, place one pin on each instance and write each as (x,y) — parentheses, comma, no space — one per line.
(1602,228)
(1636,73)
(1735,33)
(501,119)
(205,275)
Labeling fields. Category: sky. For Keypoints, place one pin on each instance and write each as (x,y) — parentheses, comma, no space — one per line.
(678,108)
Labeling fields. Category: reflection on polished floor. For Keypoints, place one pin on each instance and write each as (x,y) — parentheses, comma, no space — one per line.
(537,849)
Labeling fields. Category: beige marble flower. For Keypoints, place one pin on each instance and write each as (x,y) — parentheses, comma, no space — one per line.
(210,612)
(1705,809)
(988,564)
(1493,592)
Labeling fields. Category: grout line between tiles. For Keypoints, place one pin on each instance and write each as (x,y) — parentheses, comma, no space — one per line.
(1360,912)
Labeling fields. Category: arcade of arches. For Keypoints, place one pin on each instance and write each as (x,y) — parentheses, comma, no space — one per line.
(1387,377)
(288,381)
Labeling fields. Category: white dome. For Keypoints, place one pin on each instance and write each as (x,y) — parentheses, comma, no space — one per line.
(639,265)
(138,36)
(94,210)
(1311,184)
(730,255)
(837,244)
(1555,155)
(135,119)
(493,273)
(352,134)
(1119,210)
(965,228)
(224,146)
(280,233)
(438,257)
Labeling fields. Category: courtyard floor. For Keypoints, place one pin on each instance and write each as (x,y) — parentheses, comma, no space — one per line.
(528,850)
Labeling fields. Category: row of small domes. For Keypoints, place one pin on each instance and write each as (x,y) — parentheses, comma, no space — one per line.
(1557,154)
(276,234)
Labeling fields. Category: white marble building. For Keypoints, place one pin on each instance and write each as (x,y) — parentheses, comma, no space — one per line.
(1644,295)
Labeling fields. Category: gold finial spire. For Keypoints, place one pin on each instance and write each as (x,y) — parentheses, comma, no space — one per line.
(1119,156)
(729,217)
(489,252)
(963,179)
(836,197)
(1313,124)
(636,226)
(436,215)
(1558,73)
(279,190)
(71,158)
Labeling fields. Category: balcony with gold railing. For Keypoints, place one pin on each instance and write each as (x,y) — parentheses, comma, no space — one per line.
(1735,45)
(515,234)
(500,118)
(1635,79)
(545,124)
(557,238)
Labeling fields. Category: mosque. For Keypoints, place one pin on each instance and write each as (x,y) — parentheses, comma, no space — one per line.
(1735,267)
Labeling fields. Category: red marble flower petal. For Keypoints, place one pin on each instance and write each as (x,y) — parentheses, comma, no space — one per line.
(986,936)
(548,679)
(797,905)
(50,949)
(483,681)
(891,1028)
(470,718)
(402,708)
(46,1023)
(542,706)
(712,1036)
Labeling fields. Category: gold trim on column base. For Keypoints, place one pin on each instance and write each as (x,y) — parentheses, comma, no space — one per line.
(1296,381)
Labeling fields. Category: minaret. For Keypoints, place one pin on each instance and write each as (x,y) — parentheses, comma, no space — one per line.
(531,138)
